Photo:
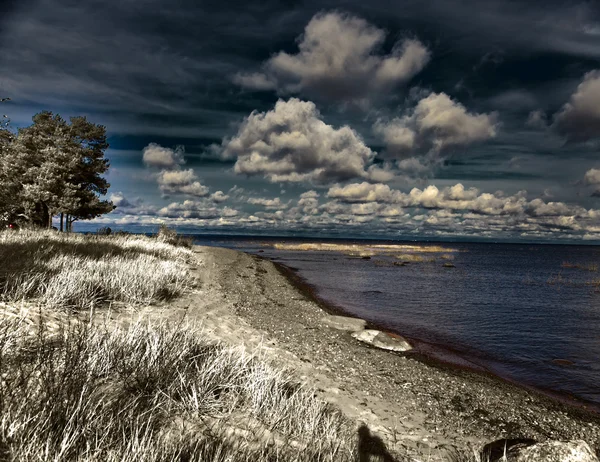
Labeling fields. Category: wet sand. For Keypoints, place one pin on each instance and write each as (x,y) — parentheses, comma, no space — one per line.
(420,407)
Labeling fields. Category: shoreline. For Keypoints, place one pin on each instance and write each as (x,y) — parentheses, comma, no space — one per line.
(421,407)
(435,355)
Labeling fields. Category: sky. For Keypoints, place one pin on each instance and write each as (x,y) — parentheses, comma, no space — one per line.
(440,119)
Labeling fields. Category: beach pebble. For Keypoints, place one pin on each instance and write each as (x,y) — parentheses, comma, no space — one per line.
(382,340)
(344,323)
(555,451)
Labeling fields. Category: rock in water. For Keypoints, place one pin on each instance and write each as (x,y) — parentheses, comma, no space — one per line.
(555,451)
(382,340)
(345,323)
(562,362)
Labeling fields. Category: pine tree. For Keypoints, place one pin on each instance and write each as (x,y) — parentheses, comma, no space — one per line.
(54,168)
(82,202)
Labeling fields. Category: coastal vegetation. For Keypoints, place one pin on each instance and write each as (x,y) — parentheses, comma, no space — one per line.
(53,168)
(59,270)
(88,387)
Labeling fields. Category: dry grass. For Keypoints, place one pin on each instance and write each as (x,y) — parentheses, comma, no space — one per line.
(77,271)
(77,391)
(154,394)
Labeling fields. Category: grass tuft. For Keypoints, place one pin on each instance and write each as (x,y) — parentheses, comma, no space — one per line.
(77,271)
(154,393)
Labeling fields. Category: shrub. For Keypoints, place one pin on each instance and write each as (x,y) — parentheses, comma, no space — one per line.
(170,236)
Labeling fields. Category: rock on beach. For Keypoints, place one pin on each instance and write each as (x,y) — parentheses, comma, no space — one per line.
(345,323)
(382,340)
(554,451)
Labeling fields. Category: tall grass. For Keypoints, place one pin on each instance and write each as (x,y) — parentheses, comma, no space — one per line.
(154,394)
(77,271)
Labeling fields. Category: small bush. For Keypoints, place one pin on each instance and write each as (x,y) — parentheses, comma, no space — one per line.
(170,236)
(106,231)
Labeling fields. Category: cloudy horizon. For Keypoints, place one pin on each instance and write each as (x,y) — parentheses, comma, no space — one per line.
(428,120)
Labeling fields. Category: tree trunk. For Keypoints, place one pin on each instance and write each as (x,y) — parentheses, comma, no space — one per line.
(45,216)
(61,221)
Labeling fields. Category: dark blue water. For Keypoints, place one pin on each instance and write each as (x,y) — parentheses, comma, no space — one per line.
(511,309)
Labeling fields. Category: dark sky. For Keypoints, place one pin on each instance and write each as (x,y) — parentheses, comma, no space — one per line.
(440,118)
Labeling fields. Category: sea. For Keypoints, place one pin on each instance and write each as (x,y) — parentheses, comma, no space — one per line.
(529,314)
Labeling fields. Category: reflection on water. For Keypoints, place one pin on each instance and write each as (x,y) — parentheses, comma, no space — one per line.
(513,309)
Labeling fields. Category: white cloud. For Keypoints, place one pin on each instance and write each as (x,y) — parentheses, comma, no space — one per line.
(451,199)
(181,182)
(161,157)
(119,200)
(194,209)
(292,144)
(219,196)
(363,192)
(255,80)
(338,59)
(312,194)
(436,124)
(134,206)
(364,207)
(267,203)
(592,177)
(579,119)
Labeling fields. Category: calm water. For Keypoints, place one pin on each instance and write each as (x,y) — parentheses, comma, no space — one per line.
(511,309)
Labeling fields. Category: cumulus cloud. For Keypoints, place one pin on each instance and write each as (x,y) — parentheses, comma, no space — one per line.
(158,156)
(456,198)
(133,206)
(119,200)
(363,192)
(365,207)
(436,124)
(579,119)
(181,182)
(292,144)
(196,209)
(592,177)
(312,194)
(267,203)
(219,196)
(339,59)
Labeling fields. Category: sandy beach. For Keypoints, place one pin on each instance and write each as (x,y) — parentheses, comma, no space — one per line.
(418,407)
